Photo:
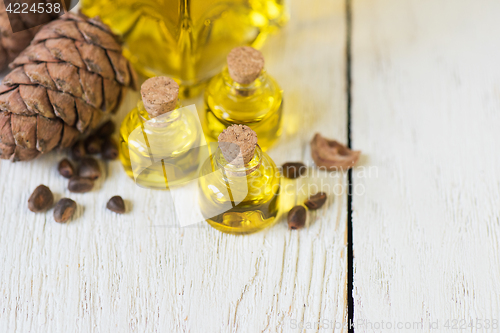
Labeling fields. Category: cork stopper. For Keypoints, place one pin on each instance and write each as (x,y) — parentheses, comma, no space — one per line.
(159,95)
(238,142)
(245,64)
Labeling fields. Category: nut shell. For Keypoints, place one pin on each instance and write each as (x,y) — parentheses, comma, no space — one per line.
(41,199)
(116,204)
(89,168)
(64,210)
(80,185)
(332,155)
(293,170)
(297,217)
(316,201)
(66,169)
(109,149)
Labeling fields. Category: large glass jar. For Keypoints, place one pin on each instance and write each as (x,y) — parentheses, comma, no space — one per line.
(186,39)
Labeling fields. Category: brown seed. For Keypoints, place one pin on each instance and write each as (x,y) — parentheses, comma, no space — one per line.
(41,199)
(116,204)
(65,168)
(316,201)
(89,168)
(93,145)
(293,170)
(64,210)
(297,217)
(109,149)
(78,150)
(106,130)
(80,185)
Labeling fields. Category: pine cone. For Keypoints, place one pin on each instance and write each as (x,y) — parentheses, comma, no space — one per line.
(61,86)
(11,44)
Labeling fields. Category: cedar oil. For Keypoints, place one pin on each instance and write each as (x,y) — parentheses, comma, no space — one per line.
(244,94)
(186,39)
(160,142)
(240,196)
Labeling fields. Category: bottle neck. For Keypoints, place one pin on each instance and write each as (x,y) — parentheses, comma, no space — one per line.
(162,120)
(236,168)
(243,90)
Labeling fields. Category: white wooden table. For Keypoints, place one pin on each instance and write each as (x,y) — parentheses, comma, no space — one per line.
(419,94)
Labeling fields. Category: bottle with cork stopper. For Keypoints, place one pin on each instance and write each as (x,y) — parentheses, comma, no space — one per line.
(243,93)
(159,140)
(239,184)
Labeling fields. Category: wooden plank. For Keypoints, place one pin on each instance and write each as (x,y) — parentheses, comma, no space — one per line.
(426,115)
(141,272)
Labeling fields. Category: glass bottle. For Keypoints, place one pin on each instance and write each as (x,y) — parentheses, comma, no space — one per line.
(186,39)
(159,141)
(239,185)
(244,94)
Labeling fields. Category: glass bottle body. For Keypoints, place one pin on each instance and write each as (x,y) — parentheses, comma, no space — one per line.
(258,105)
(162,152)
(239,200)
(186,39)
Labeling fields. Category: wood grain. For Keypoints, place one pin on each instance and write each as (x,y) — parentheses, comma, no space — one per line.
(141,272)
(426,87)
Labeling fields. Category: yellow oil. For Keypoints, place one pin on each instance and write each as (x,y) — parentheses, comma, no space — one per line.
(258,105)
(170,148)
(235,202)
(187,39)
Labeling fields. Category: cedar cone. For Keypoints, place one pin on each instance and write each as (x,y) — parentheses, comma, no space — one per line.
(61,86)
(11,44)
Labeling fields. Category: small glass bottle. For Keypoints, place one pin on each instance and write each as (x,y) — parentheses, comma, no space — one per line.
(239,185)
(160,142)
(244,94)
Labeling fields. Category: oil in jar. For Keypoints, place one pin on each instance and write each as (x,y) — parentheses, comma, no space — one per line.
(239,184)
(161,143)
(187,39)
(244,94)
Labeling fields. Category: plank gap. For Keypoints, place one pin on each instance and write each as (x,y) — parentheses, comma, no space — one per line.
(350,263)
